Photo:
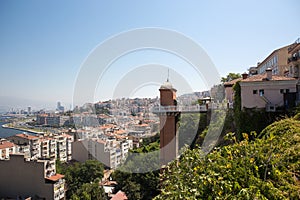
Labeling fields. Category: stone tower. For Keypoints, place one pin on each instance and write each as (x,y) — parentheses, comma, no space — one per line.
(168,124)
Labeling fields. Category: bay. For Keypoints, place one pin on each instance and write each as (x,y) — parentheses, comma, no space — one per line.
(6,132)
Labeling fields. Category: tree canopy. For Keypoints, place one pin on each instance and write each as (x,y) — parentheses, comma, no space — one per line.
(83,179)
(230,77)
(142,184)
(265,168)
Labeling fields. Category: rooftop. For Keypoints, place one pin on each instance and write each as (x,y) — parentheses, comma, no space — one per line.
(263,77)
(26,136)
(167,85)
(6,144)
(119,196)
(55,177)
(232,82)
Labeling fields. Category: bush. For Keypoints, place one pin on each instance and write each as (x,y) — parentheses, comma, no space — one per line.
(266,168)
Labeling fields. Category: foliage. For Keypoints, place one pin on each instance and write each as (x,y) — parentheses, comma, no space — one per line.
(89,191)
(136,176)
(230,77)
(82,179)
(265,168)
(138,185)
(190,127)
(154,146)
(148,140)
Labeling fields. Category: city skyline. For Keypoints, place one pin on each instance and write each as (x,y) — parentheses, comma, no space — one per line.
(44,44)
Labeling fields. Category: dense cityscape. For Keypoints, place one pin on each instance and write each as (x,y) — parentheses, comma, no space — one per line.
(141,100)
(107,131)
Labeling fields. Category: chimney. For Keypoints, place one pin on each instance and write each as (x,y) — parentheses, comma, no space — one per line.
(245,75)
(269,73)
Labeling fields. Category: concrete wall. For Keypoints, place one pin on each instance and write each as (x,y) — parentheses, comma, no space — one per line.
(19,177)
(89,149)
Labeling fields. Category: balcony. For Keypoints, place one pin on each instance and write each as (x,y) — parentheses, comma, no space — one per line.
(293,58)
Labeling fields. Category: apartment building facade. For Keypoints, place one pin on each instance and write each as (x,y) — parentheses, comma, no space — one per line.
(111,152)
(276,61)
(51,120)
(27,144)
(20,178)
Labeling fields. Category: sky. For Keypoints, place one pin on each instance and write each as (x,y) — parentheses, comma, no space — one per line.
(45,44)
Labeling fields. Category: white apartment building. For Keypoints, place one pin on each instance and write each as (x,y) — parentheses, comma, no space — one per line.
(44,147)
(111,152)
(61,144)
(28,144)
(69,140)
(6,148)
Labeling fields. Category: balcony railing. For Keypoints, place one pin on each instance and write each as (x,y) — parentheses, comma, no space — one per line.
(293,58)
(191,108)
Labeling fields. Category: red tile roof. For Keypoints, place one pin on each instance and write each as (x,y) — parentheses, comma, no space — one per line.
(30,137)
(232,82)
(6,144)
(119,196)
(119,132)
(55,177)
(262,77)
(101,141)
(66,135)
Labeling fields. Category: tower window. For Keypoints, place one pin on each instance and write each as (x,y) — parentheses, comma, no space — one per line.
(281,91)
(261,92)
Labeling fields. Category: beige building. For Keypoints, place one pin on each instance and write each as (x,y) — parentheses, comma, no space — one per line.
(90,149)
(110,152)
(268,91)
(277,61)
(20,178)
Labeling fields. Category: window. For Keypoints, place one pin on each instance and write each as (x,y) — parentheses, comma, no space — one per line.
(281,91)
(254,91)
(261,92)
(287,90)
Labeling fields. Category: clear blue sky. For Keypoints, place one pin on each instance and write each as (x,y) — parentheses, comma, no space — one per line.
(44,43)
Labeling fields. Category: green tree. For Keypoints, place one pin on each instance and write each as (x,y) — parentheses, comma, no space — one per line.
(89,191)
(82,178)
(230,77)
(144,183)
(265,168)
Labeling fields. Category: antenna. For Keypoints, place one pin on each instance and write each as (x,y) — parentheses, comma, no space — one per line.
(168,74)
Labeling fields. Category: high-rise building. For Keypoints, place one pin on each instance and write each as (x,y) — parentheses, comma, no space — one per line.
(29,110)
(59,107)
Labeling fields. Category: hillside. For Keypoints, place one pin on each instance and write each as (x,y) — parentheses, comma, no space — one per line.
(265,168)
